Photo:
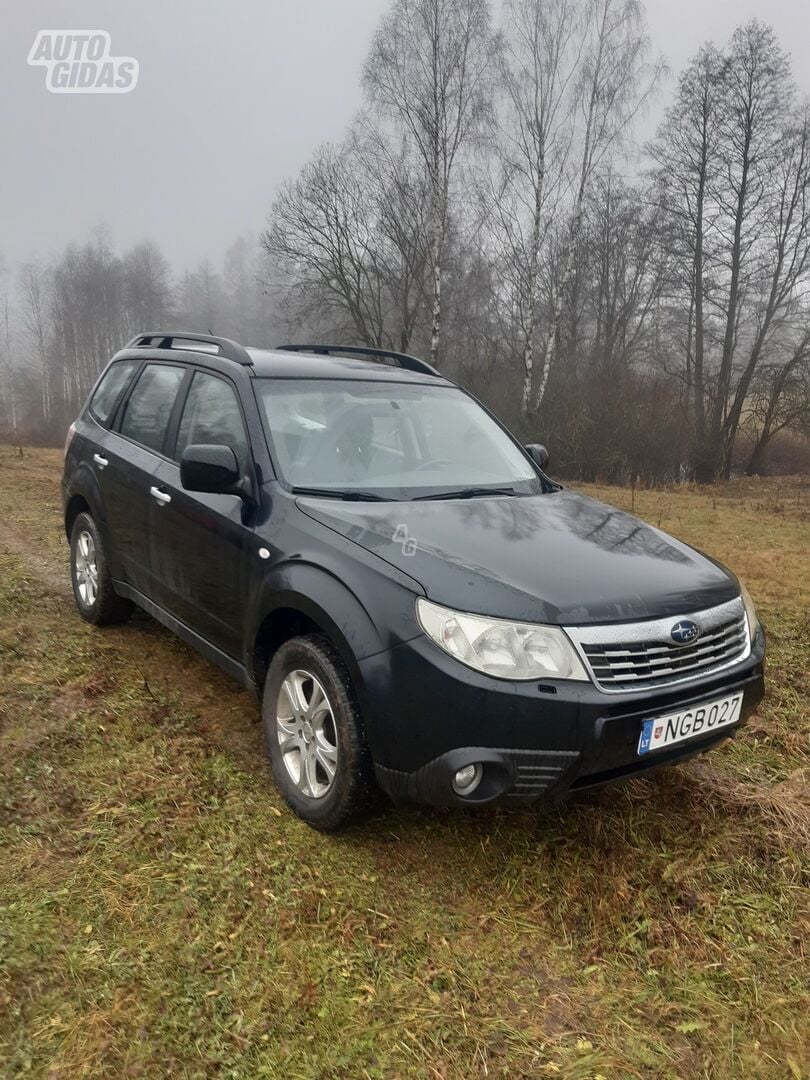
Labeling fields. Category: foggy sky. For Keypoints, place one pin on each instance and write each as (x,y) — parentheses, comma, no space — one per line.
(232,98)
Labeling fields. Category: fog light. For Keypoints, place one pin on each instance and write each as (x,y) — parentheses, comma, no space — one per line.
(467,779)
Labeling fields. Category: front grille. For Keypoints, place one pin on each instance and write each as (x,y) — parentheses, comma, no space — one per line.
(639,656)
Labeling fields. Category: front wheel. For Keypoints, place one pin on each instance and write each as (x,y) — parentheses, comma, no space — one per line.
(314,735)
(93,589)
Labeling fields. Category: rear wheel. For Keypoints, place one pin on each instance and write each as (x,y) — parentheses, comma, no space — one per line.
(93,589)
(314,735)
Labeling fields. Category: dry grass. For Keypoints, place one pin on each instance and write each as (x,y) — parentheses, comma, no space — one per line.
(783,806)
(161,913)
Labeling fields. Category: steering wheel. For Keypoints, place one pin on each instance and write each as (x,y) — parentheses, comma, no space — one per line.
(432,462)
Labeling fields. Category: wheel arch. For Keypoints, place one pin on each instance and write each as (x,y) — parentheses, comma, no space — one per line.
(288,612)
(279,625)
(84,496)
(76,504)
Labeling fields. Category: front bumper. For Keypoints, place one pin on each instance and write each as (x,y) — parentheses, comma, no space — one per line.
(427,716)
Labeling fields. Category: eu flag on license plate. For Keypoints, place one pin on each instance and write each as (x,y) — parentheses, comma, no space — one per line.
(646,735)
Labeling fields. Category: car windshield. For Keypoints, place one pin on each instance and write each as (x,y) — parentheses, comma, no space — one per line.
(388,439)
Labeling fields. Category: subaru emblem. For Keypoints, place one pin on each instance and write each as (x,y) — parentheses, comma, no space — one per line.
(684,631)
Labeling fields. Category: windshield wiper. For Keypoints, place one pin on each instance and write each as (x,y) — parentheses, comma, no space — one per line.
(468,493)
(338,493)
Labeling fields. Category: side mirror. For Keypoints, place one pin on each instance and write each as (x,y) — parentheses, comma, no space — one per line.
(538,454)
(213,469)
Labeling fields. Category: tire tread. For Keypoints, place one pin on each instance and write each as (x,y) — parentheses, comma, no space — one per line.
(360,793)
(110,608)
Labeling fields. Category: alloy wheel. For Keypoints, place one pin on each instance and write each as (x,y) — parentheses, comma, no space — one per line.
(307,734)
(85,566)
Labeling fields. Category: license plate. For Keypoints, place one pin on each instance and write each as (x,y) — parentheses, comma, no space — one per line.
(689,724)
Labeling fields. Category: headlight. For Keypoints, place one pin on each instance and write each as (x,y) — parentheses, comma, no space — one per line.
(507,650)
(750,612)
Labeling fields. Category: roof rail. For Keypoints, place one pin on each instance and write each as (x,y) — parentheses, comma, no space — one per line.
(410,363)
(165,339)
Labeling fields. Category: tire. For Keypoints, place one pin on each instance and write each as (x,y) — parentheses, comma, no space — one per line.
(320,734)
(96,599)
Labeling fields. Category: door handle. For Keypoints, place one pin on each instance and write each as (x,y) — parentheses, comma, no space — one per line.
(162,497)
(100,461)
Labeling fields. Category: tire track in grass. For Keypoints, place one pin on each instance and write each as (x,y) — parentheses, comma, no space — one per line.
(225,715)
(44,566)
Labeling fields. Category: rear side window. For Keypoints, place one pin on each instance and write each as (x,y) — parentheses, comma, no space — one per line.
(211,414)
(109,390)
(147,412)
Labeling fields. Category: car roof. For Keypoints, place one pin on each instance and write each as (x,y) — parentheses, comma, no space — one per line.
(272,363)
(284,363)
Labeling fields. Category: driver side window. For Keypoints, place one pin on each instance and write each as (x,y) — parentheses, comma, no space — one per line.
(212,415)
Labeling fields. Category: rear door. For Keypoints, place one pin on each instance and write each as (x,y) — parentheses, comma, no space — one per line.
(95,447)
(132,453)
(202,543)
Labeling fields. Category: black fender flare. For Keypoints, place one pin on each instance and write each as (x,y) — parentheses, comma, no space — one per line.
(322,597)
(84,485)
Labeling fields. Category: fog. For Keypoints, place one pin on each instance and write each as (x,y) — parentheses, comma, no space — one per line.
(442,178)
(232,98)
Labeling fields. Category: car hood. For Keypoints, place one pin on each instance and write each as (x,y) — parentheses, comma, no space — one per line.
(555,558)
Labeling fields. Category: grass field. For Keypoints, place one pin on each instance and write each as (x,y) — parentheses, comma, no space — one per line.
(162,914)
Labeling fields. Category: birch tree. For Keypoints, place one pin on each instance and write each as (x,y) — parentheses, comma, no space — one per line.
(8,364)
(613,83)
(428,72)
(687,156)
(33,289)
(542,47)
(87,314)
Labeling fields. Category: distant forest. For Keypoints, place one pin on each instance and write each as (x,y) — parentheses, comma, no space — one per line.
(641,310)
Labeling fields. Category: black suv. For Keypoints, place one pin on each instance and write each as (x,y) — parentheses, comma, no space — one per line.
(419,607)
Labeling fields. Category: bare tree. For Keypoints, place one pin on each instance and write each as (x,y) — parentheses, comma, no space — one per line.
(614,84)
(33,287)
(428,71)
(735,174)
(400,194)
(620,272)
(87,316)
(756,91)
(686,152)
(200,299)
(542,48)
(146,281)
(8,362)
(240,285)
(349,240)
(782,272)
(322,235)
(639,322)
(780,400)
